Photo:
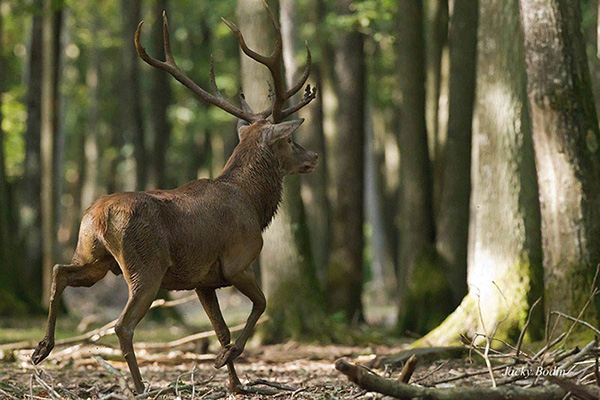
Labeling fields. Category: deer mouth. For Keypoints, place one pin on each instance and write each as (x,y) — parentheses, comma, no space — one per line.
(308,168)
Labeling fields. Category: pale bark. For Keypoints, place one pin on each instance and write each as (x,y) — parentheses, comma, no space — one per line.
(504,259)
(288,275)
(566,140)
(345,274)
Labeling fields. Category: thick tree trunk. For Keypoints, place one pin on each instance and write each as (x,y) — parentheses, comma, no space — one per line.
(130,92)
(504,262)
(288,275)
(453,218)
(160,98)
(345,274)
(30,227)
(566,140)
(416,213)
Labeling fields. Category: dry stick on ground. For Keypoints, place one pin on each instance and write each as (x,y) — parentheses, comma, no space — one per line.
(192,338)
(94,334)
(408,369)
(118,374)
(578,390)
(374,383)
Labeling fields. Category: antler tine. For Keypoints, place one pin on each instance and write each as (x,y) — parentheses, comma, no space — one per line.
(245,104)
(309,95)
(171,67)
(167,41)
(294,89)
(276,54)
(249,52)
(213,82)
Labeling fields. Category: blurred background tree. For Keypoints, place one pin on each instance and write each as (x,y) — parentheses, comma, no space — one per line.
(427,198)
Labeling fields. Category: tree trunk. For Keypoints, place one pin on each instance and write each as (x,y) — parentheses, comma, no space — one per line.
(345,274)
(30,228)
(49,141)
(160,99)
(566,140)
(314,185)
(4,205)
(288,275)
(90,144)
(436,45)
(453,218)
(416,213)
(504,260)
(130,92)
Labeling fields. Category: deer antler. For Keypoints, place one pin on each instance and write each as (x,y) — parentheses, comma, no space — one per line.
(171,67)
(275,65)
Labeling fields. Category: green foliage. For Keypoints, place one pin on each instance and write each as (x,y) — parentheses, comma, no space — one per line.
(13,123)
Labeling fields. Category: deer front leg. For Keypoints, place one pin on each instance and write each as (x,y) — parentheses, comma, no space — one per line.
(246,283)
(209,301)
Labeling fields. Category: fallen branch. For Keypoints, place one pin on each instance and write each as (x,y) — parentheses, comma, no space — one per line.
(116,373)
(192,338)
(93,335)
(374,383)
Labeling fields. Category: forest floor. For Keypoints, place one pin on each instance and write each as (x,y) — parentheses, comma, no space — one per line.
(305,371)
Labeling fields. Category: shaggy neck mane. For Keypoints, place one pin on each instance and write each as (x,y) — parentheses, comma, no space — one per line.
(255,169)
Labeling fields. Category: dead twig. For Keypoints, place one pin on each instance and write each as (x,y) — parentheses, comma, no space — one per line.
(408,369)
(118,374)
(522,334)
(192,338)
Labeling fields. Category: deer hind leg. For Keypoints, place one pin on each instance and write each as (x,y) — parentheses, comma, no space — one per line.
(208,298)
(245,282)
(141,297)
(63,276)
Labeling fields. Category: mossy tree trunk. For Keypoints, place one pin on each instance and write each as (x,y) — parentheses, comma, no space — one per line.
(504,260)
(345,273)
(566,140)
(288,275)
(453,217)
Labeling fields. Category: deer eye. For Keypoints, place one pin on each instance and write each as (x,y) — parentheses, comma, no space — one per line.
(289,140)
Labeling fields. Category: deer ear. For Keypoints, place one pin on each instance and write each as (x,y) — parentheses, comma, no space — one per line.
(241,127)
(281,130)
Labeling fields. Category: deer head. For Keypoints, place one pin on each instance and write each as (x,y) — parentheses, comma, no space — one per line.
(275,135)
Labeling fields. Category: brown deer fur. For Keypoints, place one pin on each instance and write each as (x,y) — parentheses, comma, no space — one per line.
(203,235)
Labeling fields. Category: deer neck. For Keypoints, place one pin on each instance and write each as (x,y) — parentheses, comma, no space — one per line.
(260,177)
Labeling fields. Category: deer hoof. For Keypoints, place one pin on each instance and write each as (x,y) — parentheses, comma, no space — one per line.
(41,352)
(229,353)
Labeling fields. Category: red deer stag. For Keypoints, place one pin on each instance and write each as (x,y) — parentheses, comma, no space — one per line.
(203,235)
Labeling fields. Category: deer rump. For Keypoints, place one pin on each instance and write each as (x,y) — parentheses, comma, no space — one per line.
(178,236)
